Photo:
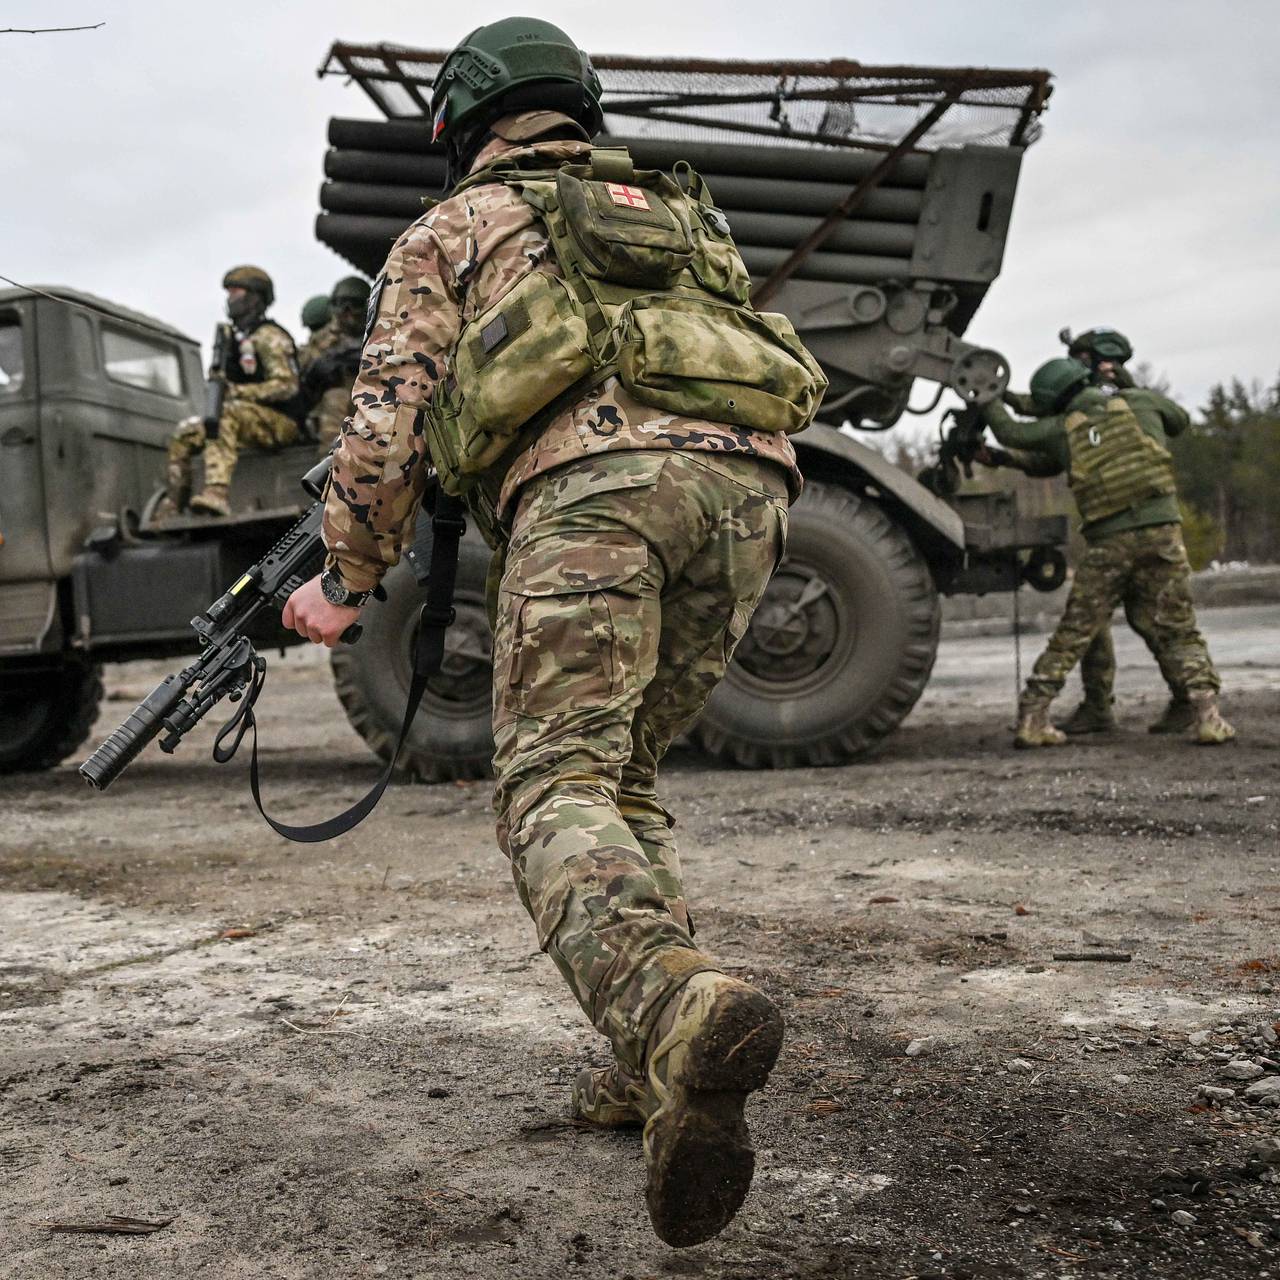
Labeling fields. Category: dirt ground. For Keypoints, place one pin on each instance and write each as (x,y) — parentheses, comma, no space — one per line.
(349,1060)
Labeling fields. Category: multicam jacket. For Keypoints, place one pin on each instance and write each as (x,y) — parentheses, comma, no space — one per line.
(449,266)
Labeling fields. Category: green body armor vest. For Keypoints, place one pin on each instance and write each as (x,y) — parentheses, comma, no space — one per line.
(653,290)
(1115,465)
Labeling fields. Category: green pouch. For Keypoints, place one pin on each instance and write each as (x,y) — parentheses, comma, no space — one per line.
(628,227)
(514,359)
(719,362)
(716,263)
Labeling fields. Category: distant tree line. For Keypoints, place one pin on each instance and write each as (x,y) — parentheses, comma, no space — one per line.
(1229,475)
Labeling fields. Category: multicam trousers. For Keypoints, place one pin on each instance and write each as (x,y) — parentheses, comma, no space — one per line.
(630,578)
(1147,571)
(244,424)
(1098,668)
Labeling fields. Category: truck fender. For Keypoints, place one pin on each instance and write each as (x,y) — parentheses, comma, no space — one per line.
(935,529)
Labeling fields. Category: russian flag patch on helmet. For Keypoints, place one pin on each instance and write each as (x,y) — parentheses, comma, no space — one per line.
(438,124)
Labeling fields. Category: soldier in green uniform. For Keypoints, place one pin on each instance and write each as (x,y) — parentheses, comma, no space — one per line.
(261,406)
(331,359)
(1111,443)
(315,315)
(1105,352)
(569,342)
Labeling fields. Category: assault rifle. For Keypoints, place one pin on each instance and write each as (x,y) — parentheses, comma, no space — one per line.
(336,367)
(228,665)
(215,385)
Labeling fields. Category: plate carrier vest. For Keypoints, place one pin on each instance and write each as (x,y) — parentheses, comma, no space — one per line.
(1115,464)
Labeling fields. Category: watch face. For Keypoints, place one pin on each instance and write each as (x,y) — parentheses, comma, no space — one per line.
(333,590)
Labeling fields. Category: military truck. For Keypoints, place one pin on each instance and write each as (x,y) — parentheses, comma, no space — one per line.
(879,250)
(871,204)
(89,396)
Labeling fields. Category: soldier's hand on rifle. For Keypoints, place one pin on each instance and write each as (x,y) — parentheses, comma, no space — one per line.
(309,614)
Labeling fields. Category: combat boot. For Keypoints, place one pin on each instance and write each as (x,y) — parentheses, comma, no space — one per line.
(608,1097)
(715,1042)
(1177,717)
(212,501)
(166,509)
(1090,716)
(1034,729)
(1210,728)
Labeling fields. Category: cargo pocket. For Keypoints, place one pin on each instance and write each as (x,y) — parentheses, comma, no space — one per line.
(576,622)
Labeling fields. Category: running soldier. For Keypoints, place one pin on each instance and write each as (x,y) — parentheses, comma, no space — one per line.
(558,339)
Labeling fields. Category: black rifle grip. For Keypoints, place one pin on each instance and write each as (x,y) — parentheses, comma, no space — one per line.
(352,633)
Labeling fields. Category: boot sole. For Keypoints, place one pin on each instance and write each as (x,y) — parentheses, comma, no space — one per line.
(1072,732)
(700,1160)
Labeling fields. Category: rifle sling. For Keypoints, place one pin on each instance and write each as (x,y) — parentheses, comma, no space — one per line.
(447,527)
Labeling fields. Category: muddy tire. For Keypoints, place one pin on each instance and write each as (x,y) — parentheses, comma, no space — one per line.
(452,736)
(45,717)
(840,648)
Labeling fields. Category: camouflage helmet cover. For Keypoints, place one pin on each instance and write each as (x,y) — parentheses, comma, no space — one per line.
(480,77)
(1100,343)
(1056,381)
(252,278)
(315,311)
(350,289)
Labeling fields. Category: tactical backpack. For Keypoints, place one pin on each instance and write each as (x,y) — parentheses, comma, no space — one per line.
(653,290)
(1115,464)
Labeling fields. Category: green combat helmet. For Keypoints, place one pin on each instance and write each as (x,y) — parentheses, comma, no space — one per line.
(350,291)
(254,279)
(1055,382)
(518,64)
(1098,344)
(315,312)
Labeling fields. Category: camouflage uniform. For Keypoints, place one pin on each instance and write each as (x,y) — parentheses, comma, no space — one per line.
(334,405)
(249,418)
(1098,665)
(640,542)
(1147,570)
(1135,557)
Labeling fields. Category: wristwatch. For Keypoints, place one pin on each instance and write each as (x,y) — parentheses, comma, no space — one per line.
(335,591)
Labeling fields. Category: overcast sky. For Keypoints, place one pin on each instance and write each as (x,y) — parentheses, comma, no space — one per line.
(142,159)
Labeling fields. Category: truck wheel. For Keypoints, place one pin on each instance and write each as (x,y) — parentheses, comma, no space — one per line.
(840,647)
(452,736)
(45,717)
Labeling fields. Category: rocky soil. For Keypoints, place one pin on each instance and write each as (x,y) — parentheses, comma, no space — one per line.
(349,1060)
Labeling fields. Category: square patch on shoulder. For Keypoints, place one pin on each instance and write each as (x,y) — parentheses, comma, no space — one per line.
(627,197)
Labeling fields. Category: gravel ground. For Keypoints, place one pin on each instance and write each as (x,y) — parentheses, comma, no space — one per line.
(349,1060)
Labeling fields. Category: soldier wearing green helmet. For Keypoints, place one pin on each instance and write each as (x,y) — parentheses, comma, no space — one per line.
(331,358)
(315,315)
(1111,442)
(565,339)
(260,408)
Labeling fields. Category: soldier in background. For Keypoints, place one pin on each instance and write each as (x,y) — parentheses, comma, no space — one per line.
(315,315)
(332,359)
(260,408)
(1105,352)
(1111,443)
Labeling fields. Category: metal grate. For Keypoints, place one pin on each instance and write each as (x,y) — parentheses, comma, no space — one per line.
(833,104)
